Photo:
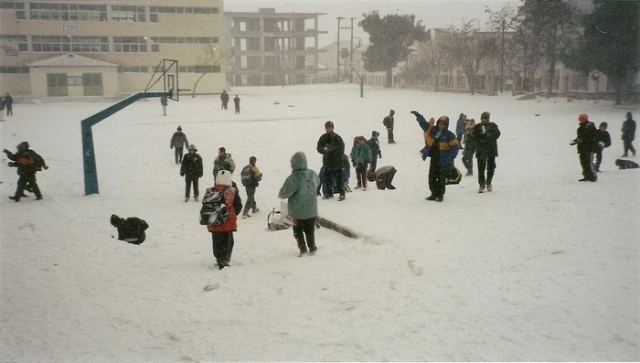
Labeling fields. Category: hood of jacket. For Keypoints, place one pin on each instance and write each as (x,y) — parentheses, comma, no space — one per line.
(299,161)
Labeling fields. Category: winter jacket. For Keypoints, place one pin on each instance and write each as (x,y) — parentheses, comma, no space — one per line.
(191,165)
(8,101)
(179,139)
(300,189)
(250,176)
(604,138)
(586,139)
(361,154)
(331,146)
(225,163)
(374,146)
(442,144)
(131,229)
(485,137)
(26,160)
(234,207)
(460,124)
(629,130)
(163,101)
(469,141)
(388,122)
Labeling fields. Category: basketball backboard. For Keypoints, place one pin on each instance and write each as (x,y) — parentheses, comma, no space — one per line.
(165,73)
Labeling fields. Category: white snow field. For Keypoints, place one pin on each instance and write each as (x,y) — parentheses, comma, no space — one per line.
(543,268)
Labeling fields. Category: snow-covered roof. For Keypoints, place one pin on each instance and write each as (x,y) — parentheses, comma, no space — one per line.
(71,60)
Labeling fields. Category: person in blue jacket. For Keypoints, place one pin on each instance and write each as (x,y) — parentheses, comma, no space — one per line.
(442,146)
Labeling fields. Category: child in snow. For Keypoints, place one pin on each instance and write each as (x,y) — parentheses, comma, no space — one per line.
(300,191)
(131,229)
(191,169)
(604,141)
(250,178)
(222,234)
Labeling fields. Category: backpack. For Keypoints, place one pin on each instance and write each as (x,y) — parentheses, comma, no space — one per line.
(245,175)
(214,210)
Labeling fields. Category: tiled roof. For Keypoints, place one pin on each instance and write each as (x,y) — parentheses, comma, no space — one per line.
(71,60)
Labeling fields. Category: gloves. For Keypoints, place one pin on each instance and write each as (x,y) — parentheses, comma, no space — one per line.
(415,113)
(12,163)
(380,155)
(45,167)
(601,144)
(573,142)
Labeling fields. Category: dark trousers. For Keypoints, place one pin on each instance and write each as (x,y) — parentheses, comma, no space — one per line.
(384,181)
(305,228)
(628,145)
(24,180)
(460,136)
(598,158)
(361,174)
(237,108)
(374,163)
(328,178)
(222,243)
(437,177)
(488,164)
(467,158)
(390,136)
(251,201)
(178,154)
(190,179)
(9,110)
(586,162)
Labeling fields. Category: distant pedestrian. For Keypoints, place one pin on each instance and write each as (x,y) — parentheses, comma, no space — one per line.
(441,145)
(191,169)
(628,135)
(222,234)
(586,142)
(236,103)
(485,135)
(603,140)
(300,191)
(164,102)
(374,146)
(8,104)
(469,146)
(388,123)
(224,99)
(331,146)
(360,157)
(2,107)
(460,127)
(28,163)
(223,161)
(250,176)
(130,230)
(178,141)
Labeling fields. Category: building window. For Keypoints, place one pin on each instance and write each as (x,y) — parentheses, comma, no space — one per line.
(129,44)
(14,69)
(133,69)
(45,11)
(65,12)
(50,43)
(74,80)
(128,14)
(11,5)
(18,42)
(184,40)
(82,12)
(90,44)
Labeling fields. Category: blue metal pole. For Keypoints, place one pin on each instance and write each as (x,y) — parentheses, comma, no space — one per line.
(88,153)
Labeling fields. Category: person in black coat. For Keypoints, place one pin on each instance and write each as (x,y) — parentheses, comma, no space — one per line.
(191,169)
(374,146)
(8,104)
(603,140)
(388,123)
(28,163)
(485,136)
(587,143)
(628,134)
(131,229)
(331,146)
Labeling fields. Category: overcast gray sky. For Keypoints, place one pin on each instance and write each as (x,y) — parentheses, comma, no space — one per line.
(433,13)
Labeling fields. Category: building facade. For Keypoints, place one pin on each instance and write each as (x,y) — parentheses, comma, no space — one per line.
(269,48)
(56,48)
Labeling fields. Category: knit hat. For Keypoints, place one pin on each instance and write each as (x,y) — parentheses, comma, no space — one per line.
(486,115)
(583,117)
(224,177)
(193,147)
(375,133)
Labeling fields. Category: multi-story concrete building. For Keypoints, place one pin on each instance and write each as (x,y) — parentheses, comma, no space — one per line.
(108,47)
(269,48)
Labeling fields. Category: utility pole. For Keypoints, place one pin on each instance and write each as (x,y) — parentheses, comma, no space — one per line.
(502,57)
(338,51)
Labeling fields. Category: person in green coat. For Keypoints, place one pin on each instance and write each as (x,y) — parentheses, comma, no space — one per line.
(300,191)
(361,157)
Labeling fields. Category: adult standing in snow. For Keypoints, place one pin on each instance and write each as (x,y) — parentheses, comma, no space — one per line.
(2,109)
(331,146)
(628,135)
(442,146)
(586,142)
(191,169)
(603,140)
(469,146)
(28,163)
(360,157)
(224,161)
(485,135)
(300,191)
(460,127)
(236,103)
(224,99)
(388,123)
(222,235)
(374,146)
(164,102)
(8,104)
(178,141)
(250,178)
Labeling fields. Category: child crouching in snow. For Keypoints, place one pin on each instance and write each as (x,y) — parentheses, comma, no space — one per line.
(300,191)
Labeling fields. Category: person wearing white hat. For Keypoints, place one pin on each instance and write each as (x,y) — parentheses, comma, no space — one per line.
(191,170)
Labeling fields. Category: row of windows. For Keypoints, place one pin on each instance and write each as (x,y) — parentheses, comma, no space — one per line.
(41,43)
(134,69)
(82,12)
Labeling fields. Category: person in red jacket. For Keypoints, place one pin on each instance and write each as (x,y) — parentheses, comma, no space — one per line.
(222,234)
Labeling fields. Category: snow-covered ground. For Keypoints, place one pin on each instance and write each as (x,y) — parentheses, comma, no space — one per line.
(543,268)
